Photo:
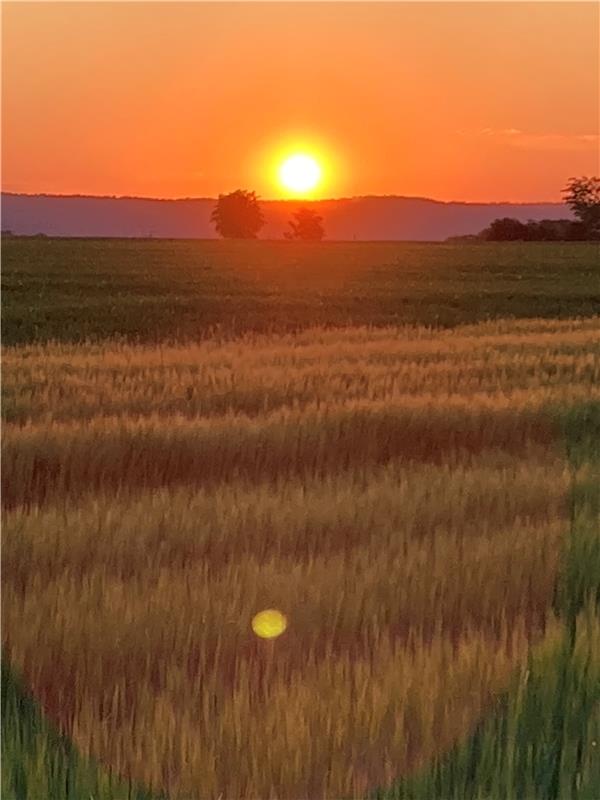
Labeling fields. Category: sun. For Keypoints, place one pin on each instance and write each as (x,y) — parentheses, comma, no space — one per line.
(300,173)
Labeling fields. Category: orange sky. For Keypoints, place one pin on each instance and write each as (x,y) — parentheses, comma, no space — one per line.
(456,101)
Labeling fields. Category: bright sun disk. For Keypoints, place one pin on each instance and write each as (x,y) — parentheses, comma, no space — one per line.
(300,173)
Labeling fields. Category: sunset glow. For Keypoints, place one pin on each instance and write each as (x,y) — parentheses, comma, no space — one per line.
(391,104)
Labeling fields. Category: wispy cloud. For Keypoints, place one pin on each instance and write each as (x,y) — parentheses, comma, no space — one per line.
(514,137)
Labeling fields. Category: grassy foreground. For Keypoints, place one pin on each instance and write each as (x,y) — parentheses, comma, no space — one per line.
(540,740)
(403,494)
(431,498)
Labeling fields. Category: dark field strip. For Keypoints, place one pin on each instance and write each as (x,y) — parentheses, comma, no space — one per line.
(44,463)
(241,522)
(147,290)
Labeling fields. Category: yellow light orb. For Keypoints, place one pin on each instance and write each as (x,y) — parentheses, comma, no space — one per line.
(269,623)
(300,173)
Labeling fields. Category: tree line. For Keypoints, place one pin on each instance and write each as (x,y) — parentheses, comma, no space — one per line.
(582,196)
(238,216)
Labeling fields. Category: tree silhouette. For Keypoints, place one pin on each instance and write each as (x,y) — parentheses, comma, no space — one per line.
(237,215)
(582,195)
(306,225)
(505,229)
(543,230)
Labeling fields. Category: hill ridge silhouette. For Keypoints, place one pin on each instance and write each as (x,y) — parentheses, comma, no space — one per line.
(361,218)
(297,200)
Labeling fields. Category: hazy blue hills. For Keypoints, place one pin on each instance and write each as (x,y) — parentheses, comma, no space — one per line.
(361,218)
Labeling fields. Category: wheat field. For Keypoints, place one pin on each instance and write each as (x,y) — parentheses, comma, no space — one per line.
(400,494)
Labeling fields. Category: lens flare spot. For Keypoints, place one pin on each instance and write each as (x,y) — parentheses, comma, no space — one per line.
(269,623)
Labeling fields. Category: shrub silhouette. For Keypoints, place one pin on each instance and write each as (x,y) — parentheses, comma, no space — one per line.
(306,225)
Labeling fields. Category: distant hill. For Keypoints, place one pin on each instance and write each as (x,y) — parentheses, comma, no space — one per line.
(361,218)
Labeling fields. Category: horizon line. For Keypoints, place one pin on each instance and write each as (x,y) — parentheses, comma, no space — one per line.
(286,199)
